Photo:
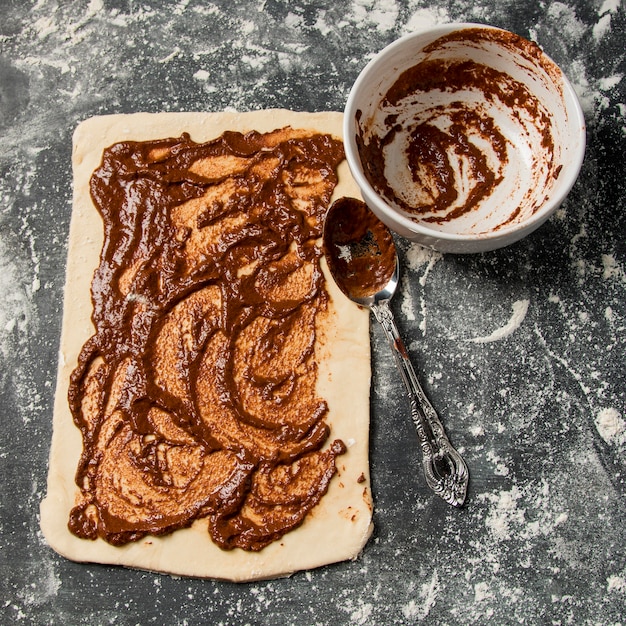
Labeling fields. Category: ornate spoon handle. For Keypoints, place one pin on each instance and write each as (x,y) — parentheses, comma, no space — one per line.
(445,470)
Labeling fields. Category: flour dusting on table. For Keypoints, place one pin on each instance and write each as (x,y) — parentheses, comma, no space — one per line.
(520,350)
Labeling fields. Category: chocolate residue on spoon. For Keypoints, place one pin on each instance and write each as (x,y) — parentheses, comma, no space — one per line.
(360,250)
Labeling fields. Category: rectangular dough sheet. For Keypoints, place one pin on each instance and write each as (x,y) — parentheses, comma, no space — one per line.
(340,525)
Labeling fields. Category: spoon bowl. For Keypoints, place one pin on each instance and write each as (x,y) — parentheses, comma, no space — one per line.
(363,261)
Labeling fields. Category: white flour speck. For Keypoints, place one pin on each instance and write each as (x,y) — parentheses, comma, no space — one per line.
(573,29)
(609,6)
(429,593)
(381,14)
(520,308)
(201,75)
(612,269)
(608,82)
(417,257)
(293,21)
(44,26)
(359,611)
(172,55)
(602,27)
(604,23)
(505,513)
(616,584)
(180,8)
(501,469)
(322,25)
(410,610)
(423,18)
(16,307)
(45,586)
(476,430)
(407,306)
(482,592)
(611,426)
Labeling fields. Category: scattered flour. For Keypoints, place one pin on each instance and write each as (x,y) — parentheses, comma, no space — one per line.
(517,515)
(16,307)
(609,6)
(504,513)
(572,28)
(562,26)
(359,611)
(606,83)
(45,583)
(407,306)
(423,18)
(605,13)
(612,269)
(616,584)
(381,14)
(520,308)
(417,257)
(611,426)
(482,592)
(477,430)
(501,468)
(429,591)
(202,75)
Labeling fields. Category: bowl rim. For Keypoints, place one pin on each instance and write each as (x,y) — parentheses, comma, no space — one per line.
(382,208)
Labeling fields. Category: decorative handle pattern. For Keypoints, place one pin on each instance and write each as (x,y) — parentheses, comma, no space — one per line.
(445,470)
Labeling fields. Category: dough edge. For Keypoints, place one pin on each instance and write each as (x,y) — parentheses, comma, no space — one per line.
(341,524)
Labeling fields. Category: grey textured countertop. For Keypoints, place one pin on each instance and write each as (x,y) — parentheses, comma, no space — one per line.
(521,350)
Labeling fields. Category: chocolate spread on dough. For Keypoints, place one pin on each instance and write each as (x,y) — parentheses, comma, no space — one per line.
(359,248)
(196,396)
(462,131)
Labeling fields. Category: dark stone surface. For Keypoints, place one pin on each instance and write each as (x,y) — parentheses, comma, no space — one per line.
(521,350)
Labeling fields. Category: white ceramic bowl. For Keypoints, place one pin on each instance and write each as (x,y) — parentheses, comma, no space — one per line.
(463,137)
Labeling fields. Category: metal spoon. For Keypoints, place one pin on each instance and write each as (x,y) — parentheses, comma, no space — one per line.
(362,258)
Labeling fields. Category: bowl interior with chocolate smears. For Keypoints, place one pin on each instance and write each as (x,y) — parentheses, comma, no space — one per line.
(464,138)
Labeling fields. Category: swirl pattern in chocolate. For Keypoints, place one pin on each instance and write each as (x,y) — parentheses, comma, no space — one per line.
(456,137)
(196,396)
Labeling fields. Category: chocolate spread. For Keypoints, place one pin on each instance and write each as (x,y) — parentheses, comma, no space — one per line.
(441,112)
(359,249)
(196,396)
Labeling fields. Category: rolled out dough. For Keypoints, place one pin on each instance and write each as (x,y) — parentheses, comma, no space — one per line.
(340,525)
